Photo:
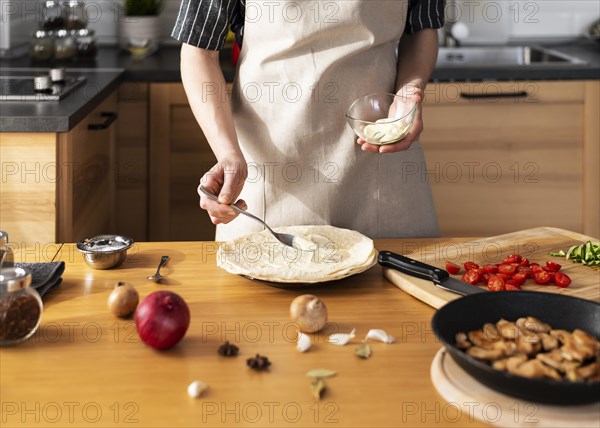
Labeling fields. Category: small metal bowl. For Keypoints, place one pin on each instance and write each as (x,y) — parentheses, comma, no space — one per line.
(105,251)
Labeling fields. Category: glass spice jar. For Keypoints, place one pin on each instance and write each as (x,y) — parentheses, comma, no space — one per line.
(52,16)
(85,40)
(7,258)
(41,47)
(20,306)
(64,46)
(74,14)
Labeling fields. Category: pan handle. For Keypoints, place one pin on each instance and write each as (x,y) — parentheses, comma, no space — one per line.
(412,267)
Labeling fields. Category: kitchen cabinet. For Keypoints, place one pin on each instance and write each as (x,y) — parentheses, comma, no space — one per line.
(59,187)
(179,157)
(132,135)
(505,156)
(501,156)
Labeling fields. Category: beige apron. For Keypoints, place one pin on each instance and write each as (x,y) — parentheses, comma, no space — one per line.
(302,64)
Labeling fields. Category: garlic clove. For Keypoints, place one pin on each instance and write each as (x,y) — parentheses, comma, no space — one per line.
(341,339)
(196,388)
(381,335)
(303,343)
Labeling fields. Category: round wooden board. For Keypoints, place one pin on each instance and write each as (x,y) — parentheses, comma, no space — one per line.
(465,395)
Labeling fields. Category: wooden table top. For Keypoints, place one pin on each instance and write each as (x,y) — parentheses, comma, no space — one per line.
(84,367)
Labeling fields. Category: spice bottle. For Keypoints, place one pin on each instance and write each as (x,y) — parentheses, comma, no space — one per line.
(7,259)
(86,43)
(42,46)
(64,46)
(52,16)
(75,14)
(20,306)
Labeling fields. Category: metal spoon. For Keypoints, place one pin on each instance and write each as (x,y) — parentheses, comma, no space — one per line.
(157,276)
(284,238)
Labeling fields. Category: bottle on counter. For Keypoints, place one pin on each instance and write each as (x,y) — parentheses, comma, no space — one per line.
(41,47)
(7,258)
(52,16)
(74,14)
(64,46)
(85,40)
(20,306)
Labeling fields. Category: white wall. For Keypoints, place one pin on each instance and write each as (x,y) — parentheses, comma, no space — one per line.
(500,21)
(104,15)
(552,18)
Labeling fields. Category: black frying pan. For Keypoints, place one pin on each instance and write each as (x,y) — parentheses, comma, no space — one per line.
(474,310)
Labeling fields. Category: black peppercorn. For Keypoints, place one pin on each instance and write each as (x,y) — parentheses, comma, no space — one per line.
(228,350)
(259,362)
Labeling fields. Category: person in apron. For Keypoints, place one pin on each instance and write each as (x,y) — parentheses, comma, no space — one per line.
(284,149)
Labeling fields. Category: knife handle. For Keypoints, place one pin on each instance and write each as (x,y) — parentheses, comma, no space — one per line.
(412,267)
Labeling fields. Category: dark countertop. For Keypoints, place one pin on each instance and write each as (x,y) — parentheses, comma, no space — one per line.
(113,67)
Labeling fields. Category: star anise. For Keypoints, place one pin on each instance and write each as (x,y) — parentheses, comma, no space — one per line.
(228,349)
(258,363)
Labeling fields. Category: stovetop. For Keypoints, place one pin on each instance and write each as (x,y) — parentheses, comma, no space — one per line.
(21,88)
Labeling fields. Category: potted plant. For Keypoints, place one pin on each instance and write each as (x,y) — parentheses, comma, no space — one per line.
(139,29)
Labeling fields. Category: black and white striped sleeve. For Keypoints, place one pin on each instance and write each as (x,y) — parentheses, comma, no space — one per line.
(424,14)
(203,23)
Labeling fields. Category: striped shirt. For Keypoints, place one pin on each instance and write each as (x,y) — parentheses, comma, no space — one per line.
(204,23)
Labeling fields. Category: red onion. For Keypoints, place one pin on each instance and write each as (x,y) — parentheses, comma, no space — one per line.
(162,319)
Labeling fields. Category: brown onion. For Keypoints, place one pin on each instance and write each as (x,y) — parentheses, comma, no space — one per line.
(123,300)
(309,312)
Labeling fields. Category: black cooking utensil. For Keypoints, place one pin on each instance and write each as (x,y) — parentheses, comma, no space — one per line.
(560,311)
(418,269)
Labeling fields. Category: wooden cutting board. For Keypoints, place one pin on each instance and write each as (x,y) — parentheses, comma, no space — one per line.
(534,244)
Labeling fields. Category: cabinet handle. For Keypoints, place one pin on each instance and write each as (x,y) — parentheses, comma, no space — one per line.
(110,118)
(520,94)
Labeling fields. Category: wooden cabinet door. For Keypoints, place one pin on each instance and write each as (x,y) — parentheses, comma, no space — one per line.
(508,156)
(179,157)
(28,187)
(86,184)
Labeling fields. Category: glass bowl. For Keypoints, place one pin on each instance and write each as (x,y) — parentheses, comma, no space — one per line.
(381,118)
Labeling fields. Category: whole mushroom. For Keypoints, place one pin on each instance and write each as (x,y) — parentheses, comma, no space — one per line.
(309,312)
(123,300)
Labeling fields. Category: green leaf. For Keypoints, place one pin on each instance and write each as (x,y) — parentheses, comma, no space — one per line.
(363,351)
(587,254)
(320,373)
(317,388)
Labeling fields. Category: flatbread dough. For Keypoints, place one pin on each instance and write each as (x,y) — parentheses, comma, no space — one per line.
(338,253)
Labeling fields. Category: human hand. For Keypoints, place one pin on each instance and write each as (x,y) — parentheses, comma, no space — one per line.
(226,180)
(414,94)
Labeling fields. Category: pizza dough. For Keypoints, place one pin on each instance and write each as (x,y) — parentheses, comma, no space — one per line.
(338,253)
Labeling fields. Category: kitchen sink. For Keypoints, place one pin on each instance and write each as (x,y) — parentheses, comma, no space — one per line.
(495,56)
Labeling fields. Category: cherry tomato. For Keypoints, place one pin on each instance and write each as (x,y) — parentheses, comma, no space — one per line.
(513,258)
(471,265)
(524,262)
(471,277)
(562,280)
(552,266)
(486,277)
(541,277)
(507,269)
(490,268)
(511,287)
(504,276)
(452,268)
(519,278)
(495,283)
(535,267)
(526,270)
